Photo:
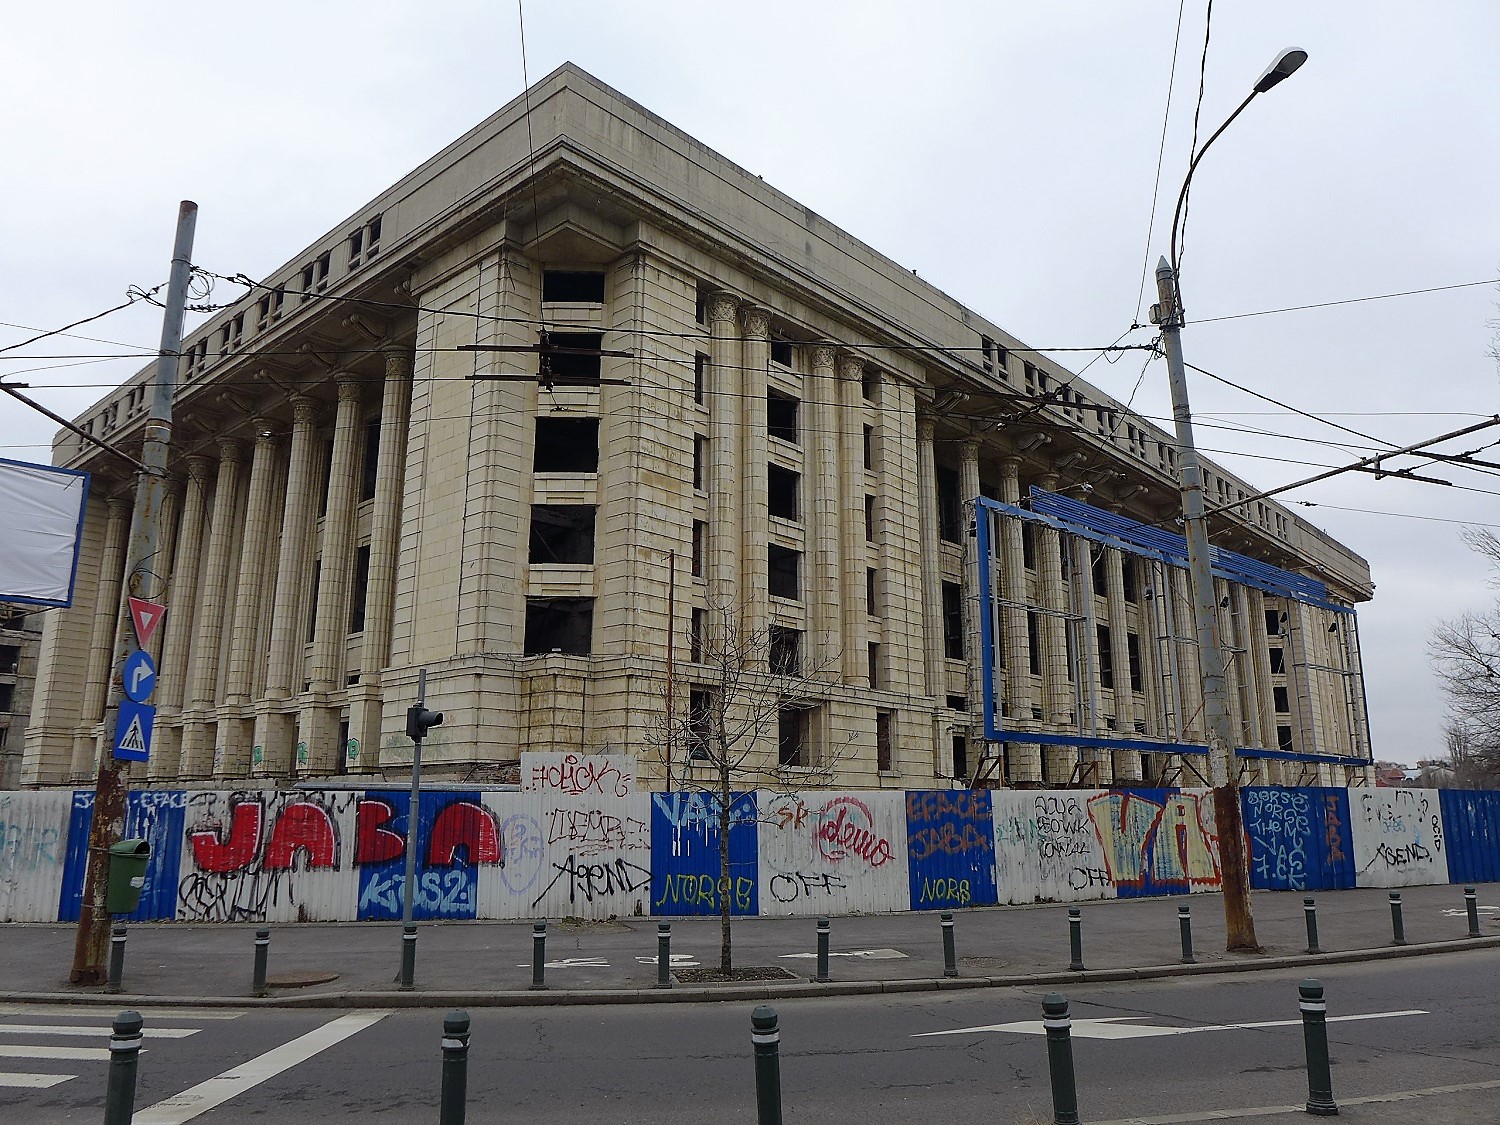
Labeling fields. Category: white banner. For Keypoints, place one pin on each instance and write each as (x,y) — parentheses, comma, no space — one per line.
(40,512)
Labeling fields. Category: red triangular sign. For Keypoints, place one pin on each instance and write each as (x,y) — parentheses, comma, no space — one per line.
(146,616)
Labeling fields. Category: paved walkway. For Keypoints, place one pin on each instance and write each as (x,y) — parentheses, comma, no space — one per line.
(353,964)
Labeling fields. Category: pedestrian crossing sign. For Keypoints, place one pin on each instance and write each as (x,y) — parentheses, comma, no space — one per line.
(133,731)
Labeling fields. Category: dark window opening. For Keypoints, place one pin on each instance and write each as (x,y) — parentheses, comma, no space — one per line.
(1028,546)
(960,758)
(566,445)
(1273,623)
(869,447)
(579,287)
(1282,700)
(885,722)
(791,736)
(327,478)
(1098,570)
(356,246)
(700,546)
(700,306)
(343,766)
(699,723)
(1127,573)
(700,377)
(784,572)
(373,226)
(361,589)
(872,657)
(987,347)
(574,366)
(785,651)
(1284,739)
(562,533)
(1033,643)
(312,601)
(697,634)
(871,605)
(7,698)
(869,385)
(10,660)
(372,459)
(957,703)
(781,351)
(559,625)
(869,519)
(1106,657)
(950,506)
(782,486)
(1133,651)
(700,462)
(953,620)
(1278,661)
(781,416)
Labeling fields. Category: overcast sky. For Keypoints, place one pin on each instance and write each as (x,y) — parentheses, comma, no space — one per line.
(1006,151)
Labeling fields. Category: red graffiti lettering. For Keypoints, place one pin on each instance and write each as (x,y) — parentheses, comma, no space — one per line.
(220,856)
(839,837)
(307,827)
(375,843)
(463,824)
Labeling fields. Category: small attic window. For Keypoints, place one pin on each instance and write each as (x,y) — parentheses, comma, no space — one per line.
(576,287)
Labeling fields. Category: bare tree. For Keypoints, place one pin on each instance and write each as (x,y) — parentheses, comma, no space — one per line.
(745,714)
(1466,658)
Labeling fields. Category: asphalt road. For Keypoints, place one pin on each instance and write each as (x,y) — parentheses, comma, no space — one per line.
(847,1060)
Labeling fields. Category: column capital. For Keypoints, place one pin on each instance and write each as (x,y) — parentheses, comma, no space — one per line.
(822,356)
(304,410)
(265,431)
(349,386)
(229,448)
(757,323)
(197,468)
(1048,482)
(851,366)
(118,507)
(398,363)
(926,428)
(968,449)
(721,307)
(1010,467)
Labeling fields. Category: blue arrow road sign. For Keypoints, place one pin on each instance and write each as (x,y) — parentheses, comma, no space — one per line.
(133,731)
(140,676)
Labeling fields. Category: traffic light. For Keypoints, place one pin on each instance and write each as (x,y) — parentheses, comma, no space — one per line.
(419,720)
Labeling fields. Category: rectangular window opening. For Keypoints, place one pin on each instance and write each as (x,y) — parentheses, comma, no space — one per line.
(791,736)
(700,377)
(700,463)
(699,724)
(577,287)
(566,362)
(953,620)
(562,533)
(360,590)
(565,444)
(784,572)
(873,660)
(782,486)
(1106,657)
(885,722)
(371,472)
(697,633)
(559,625)
(781,351)
(781,416)
(784,656)
(950,506)
(700,547)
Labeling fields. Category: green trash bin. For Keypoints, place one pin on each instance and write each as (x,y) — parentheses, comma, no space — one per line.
(127,875)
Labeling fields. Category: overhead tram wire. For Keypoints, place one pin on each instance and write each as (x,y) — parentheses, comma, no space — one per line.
(132,295)
(1349,301)
(1161,150)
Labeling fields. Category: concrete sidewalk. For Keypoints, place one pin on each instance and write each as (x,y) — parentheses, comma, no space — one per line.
(489,963)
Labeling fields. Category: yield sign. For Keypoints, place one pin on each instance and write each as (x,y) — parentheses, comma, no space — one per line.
(145,616)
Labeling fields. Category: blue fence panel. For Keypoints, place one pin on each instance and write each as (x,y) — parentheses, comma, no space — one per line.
(685,865)
(1471,823)
(456,834)
(950,843)
(1299,838)
(155,816)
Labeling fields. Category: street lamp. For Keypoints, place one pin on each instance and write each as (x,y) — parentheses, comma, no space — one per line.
(1239,924)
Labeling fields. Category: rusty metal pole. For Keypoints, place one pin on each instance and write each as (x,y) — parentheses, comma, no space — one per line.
(143,579)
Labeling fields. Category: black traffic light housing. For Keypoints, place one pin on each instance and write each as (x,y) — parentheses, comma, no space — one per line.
(419,720)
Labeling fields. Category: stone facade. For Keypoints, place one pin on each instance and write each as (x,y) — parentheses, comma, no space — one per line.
(20,643)
(795,427)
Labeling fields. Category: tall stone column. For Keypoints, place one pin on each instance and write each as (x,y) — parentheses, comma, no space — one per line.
(178,625)
(855,549)
(1057,691)
(968,483)
(1188,684)
(317,725)
(932,564)
(828,586)
(755,524)
(380,589)
(275,730)
(1127,763)
(234,733)
(101,638)
(203,681)
(1025,758)
(723,451)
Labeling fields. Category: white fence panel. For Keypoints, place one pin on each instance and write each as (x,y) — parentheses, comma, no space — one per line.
(33,845)
(833,853)
(1398,837)
(1046,847)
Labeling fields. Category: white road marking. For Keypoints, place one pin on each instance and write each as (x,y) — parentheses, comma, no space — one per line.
(101,1029)
(34,1081)
(862,954)
(77,1054)
(220,1088)
(676,961)
(1478,910)
(577,963)
(1116,1028)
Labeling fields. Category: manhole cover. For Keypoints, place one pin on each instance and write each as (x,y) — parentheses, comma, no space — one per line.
(300,980)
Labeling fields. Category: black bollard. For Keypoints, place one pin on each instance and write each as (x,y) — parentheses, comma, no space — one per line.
(950,956)
(1059,1027)
(116,959)
(1398,930)
(823,932)
(663,955)
(539,955)
(1310,912)
(1185,929)
(1471,903)
(766,1035)
(1075,939)
(1320,1101)
(262,955)
(124,1057)
(408,957)
(455,1068)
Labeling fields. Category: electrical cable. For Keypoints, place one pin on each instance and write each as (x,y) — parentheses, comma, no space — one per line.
(1348,301)
(1181,248)
(132,295)
(1160,154)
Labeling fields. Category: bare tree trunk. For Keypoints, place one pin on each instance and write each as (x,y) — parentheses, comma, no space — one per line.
(726,884)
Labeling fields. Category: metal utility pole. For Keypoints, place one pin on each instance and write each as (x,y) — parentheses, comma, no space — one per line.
(1239,923)
(419,721)
(143,579)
